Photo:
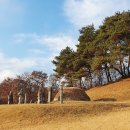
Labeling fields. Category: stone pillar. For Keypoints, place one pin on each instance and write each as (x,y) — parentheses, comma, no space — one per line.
(10,98)
(49,94)
(21,96)
(40,95)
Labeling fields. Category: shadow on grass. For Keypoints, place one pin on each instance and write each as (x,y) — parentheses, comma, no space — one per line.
(106,99)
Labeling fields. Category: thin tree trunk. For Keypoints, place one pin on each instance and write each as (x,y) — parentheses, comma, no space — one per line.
(80,82)
(106,71)
(109,75)
(128,67)
(99,77)
(91,78)
(124,69)
(118,71)
(121,68)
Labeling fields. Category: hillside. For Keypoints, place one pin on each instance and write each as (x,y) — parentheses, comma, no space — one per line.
(118,91)
(95,115)
(54,116)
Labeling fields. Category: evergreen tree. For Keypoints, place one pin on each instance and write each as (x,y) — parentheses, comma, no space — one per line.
(99,52)
(64,64)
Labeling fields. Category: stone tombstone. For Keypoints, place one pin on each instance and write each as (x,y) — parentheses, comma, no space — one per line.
(21,96)
(49,94)
(40,95)
(63,83)
(10,98)
(50,85)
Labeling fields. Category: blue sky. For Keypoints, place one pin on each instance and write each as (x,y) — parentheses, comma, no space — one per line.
(32,32)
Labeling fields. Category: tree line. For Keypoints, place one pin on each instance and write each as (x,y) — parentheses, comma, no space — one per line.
(102,55)
(30,85)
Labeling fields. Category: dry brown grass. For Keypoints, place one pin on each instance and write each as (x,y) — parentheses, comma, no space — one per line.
(111,121)
(118,91)
(74,115)
(47,116)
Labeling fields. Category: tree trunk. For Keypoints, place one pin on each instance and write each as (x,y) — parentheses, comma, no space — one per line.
(118,71)
(109,75)
(106,72)
(99,77)
(25,98)
(80,82)
(122,69)
(10,98)
(128,67)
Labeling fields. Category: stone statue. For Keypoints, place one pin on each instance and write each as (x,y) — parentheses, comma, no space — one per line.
(10,98)
(21,96)
(49,94)
(63,83)
(40,95)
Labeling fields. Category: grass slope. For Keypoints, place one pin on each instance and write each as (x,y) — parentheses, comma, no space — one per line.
(47,116)
(118,91)
(74,115)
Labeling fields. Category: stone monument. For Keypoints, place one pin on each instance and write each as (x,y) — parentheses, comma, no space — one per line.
(21,96)
(40,95)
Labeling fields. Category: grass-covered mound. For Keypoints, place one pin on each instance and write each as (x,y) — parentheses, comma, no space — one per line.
(73,93)
(118,91)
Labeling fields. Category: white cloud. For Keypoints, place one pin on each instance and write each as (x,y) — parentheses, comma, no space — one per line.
(25,38)
(85,12)
(54,43)
(46,48)
(36,51)
(6,73)
(22,63)
(16,63)
(58,42)
(10,67)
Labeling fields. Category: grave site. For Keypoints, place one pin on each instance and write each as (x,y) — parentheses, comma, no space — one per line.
(109,104)
(64,64)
